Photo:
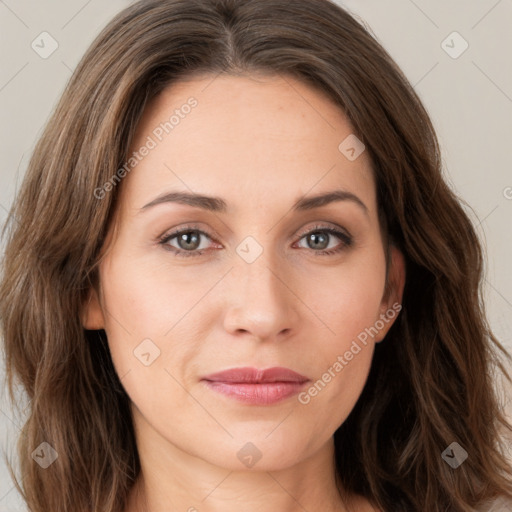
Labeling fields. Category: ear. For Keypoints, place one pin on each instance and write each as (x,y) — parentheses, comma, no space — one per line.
(391,303)
(92,314)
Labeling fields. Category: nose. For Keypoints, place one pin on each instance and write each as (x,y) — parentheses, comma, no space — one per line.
(260,301)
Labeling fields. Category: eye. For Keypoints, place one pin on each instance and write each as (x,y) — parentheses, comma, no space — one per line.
(320,237)
(187,241)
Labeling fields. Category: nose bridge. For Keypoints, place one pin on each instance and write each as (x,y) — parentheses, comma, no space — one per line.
(259,300)
(257,270)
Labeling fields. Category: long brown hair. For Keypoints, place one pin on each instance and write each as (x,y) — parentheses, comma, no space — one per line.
(431,381)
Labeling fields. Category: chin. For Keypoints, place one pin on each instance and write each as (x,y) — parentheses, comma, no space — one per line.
(257,451)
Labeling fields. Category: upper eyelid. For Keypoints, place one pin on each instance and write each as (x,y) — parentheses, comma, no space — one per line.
(302,233)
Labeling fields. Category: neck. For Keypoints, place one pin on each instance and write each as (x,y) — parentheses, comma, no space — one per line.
(172,479)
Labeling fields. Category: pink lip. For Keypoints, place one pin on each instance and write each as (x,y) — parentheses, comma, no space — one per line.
(258,387)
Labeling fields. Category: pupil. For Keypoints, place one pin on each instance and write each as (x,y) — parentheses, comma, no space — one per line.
(190,240)
(315,237)
(189,244)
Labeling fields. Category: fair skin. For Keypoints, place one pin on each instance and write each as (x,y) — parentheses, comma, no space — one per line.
(259,143)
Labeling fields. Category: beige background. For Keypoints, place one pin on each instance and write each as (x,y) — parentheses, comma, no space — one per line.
(469,99)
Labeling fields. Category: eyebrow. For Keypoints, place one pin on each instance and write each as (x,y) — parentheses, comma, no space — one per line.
(217,204)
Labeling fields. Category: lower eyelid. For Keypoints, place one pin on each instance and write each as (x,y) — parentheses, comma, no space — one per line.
(345,240)
(167,238)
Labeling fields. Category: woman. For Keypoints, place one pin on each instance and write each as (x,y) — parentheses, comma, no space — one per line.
(184,341)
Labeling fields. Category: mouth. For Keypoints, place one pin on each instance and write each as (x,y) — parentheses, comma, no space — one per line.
(257,387)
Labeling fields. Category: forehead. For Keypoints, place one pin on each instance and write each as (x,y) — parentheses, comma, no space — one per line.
(255,140)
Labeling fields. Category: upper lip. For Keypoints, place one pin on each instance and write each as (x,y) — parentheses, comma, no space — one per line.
(255,376)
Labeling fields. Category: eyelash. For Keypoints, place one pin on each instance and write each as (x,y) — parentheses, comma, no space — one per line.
(344,237)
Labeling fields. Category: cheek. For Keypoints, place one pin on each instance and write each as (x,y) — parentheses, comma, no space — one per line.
(149,300)
(330,399)
(346,300)
(342,358)
(149,349)
(349,306)
(152,330)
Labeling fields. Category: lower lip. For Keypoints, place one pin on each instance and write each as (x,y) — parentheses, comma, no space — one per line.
(257,394)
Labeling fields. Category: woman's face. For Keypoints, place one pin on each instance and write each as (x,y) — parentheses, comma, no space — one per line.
(252,285)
